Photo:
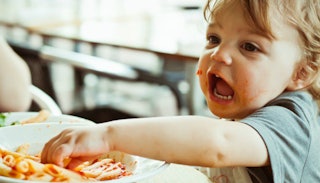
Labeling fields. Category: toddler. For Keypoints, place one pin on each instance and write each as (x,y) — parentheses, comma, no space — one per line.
(259,71)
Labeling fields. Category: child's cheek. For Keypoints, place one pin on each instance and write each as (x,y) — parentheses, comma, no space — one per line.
(203,81)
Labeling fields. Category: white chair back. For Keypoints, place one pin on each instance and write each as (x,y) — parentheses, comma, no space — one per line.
(44,101)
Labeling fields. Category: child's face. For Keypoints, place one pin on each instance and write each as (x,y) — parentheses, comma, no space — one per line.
(241,70)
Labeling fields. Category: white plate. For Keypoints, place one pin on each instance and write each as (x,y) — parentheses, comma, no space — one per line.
(18,116)
(37,134)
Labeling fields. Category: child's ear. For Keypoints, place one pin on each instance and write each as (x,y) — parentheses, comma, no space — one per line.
(302,78)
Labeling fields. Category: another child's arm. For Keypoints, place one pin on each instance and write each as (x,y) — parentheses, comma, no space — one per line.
(192,140)
(15,80)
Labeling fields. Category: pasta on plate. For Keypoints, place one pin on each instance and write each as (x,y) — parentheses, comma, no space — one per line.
(25,142)
(42,116)
(18,165)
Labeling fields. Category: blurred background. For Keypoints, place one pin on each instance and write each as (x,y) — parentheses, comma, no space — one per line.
(111,59)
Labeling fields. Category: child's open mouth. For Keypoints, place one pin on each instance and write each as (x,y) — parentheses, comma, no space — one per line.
(219,88)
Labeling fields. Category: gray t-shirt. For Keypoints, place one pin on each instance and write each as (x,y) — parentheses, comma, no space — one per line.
(289,126)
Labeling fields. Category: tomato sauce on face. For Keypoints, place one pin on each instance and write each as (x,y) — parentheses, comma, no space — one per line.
(199,72)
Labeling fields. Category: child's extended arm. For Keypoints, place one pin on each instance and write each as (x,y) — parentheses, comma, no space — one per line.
(192,140)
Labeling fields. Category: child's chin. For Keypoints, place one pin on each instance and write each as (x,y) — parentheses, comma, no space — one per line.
(226,114)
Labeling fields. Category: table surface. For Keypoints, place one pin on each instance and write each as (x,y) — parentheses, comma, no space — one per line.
(177,173)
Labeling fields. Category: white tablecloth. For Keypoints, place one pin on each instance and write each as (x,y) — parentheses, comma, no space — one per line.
(178,174)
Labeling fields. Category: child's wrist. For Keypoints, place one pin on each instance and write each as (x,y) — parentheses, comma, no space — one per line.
(108,136)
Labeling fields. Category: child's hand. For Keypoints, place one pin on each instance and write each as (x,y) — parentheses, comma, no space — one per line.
(77,144)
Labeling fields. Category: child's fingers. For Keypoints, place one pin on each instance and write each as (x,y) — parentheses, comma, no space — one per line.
(54,151)
(59,154)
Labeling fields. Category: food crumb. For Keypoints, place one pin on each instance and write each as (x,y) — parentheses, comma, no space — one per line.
(199,72)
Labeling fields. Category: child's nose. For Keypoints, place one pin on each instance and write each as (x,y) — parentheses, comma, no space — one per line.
(222,53)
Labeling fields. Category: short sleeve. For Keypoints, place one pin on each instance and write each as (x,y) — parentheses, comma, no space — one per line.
(284,125)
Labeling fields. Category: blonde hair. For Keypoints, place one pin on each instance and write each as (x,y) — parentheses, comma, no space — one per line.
(304,15)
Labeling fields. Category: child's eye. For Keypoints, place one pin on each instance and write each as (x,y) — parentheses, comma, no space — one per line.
(212,39)
(250,47)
